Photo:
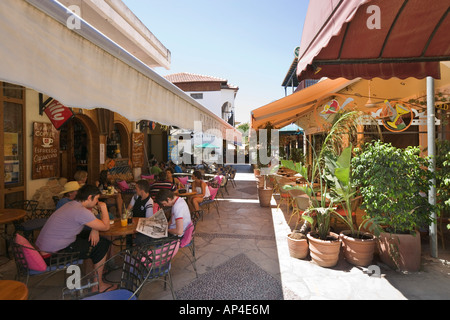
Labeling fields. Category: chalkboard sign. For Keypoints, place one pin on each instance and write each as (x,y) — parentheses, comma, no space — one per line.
(45,162)
(137,152)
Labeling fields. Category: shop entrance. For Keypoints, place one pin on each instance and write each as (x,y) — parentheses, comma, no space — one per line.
(79,143)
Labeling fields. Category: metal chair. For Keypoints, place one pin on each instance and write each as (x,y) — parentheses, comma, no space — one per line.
(135,271)
(160,254)
(211,200)
(35,218)
(30,263)
(187,241)
(231,176)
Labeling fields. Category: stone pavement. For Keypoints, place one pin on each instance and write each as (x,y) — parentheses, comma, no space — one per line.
(260,233)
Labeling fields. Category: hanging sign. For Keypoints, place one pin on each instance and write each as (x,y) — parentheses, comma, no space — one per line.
(58,113)
(137,152)
(45,161)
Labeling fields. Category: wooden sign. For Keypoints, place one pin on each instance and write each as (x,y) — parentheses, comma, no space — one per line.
(137,152)
(45,163)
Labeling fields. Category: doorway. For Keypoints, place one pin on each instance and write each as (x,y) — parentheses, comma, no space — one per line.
(80,144)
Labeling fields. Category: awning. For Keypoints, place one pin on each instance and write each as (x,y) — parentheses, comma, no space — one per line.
(378,38)
(286,110)
(83,68)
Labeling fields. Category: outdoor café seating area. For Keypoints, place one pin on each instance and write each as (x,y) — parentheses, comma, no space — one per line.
(23,221)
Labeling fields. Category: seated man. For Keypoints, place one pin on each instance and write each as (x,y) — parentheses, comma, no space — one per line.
(180,217)
(142,204)
(63,230)
(161,184)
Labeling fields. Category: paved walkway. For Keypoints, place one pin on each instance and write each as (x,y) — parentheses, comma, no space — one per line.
(260,233)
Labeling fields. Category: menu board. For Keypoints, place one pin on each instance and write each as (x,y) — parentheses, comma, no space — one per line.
(137,151)
(45,163)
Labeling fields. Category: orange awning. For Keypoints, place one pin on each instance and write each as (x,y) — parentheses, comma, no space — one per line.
(287,110)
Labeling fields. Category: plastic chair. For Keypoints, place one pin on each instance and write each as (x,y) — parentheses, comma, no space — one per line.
(35,218)
(211,200)
(135,271)
(30,263)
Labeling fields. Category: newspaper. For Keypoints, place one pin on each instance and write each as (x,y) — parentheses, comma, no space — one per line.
(155,226)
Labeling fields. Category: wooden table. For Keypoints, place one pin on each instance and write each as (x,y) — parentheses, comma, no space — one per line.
(116,229)
(13,290)
(8,216)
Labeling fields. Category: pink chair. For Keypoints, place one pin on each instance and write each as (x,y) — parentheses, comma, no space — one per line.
(212,199)
(183,180)
(187,241)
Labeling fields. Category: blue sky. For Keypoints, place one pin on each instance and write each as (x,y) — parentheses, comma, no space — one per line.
(248,42)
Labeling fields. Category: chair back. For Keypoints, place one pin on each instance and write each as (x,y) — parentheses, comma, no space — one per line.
(213,192)
(188,235)
(28,205)
(135,269)
(303,203)
(296,192)
(160,255)
(183,180)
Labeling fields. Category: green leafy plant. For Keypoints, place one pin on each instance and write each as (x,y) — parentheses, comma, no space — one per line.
(394,183)
(443,178)
(343,190)
(317,186)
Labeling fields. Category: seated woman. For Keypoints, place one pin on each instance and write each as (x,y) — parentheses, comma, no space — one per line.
(172,179)
(202,191)
(142,204)
(69,192)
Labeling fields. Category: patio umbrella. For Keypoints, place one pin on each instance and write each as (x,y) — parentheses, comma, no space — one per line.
(378,38)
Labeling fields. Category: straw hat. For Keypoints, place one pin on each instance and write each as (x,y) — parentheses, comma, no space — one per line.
(70,186)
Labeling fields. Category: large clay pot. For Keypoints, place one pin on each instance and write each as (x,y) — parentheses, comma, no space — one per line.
(400,251)
(358,252)
(265,196)
(298,248)
(325,253)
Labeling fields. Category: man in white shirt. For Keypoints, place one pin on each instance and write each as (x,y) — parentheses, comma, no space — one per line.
(181,216)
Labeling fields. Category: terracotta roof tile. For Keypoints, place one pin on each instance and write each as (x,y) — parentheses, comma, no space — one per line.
(184,77)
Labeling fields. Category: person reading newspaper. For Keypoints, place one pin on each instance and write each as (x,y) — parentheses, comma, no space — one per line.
(179,220)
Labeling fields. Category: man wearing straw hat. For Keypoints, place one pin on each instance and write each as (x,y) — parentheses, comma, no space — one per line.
(70,191)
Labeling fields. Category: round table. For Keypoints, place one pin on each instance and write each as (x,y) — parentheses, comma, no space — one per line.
(116,229)
(8,216)
(13,290)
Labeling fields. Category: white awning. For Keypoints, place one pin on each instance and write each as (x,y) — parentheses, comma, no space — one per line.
(83,68)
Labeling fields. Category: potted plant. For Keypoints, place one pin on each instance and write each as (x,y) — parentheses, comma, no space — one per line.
(358,247)
(324,245)
(264,190)
(394,183)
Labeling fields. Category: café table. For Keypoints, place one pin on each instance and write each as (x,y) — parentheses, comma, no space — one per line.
(105,196)
(13,290)
(7,216)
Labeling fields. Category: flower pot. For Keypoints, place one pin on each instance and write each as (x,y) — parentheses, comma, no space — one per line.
(358,252)
(256,172)
(260,181)
(400,251)
(298,248)
(325,253)
(265,196)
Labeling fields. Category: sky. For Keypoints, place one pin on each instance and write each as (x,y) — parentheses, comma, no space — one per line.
(248,42)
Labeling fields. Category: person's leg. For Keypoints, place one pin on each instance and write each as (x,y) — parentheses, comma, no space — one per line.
(98,255)
(196,203)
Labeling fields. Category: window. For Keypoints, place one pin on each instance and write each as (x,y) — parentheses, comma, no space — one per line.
(197,95)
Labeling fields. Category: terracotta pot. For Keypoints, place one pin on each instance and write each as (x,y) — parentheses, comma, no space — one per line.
(256,172)
(358,252)
(260,181)
(400,251)
(265,196)
(325,252)
(298,248)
